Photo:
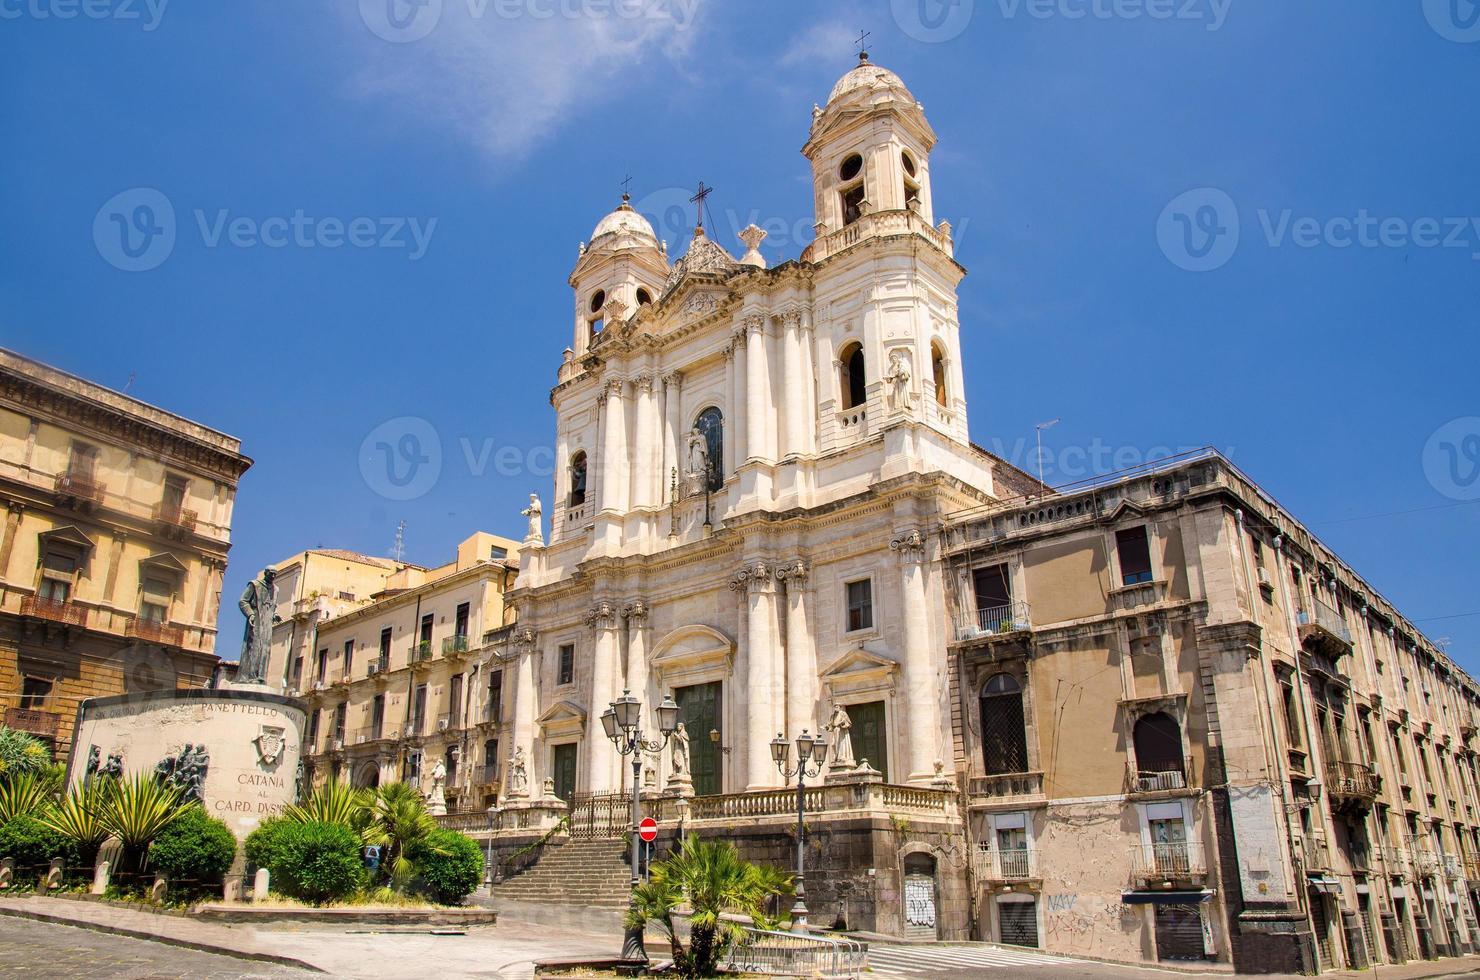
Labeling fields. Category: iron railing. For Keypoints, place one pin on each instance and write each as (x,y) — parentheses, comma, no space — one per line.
(1007,785)
(789,954)
(33,722)
(54,610)
(1327,618)
(80,487)
(176,517)
(994,620)
(454,645)
(1005,863)
(1352,779)
(154,632)
(1169,859)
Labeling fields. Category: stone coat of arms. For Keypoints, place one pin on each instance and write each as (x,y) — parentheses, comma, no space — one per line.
(270,744)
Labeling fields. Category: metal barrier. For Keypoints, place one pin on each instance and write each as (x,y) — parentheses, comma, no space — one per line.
(793,955)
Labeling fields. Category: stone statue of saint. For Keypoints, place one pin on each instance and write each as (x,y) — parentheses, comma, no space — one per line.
(841,725)
(518,773)
(439,775)
(257,604)
(696,455)
(534,512)
(680,740)
(901,374)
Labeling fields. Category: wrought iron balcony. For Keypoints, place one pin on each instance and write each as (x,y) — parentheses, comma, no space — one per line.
(33,721)
(1324,627)
(1352,783)
(175,521)
(1168,861)
(454,647)
(1138,780)
(1005,864)
(62,611)
(1014,617)
(78,490)
(151,631)
(1006,786)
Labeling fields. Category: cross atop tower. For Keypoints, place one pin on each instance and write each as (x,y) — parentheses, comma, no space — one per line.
(699,198)
(862,48)
(627,188)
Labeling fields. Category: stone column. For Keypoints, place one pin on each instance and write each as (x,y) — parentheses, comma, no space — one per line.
(13,513)
(736,435)
(601,755)
(794,387)
(809,384)
(673,432)
(757,390)
(801,654)
(614,465)
(647,446)
(635,673)
(525,709)
(758,583)
(921,683)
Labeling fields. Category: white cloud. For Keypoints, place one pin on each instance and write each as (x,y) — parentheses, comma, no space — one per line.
(504,74)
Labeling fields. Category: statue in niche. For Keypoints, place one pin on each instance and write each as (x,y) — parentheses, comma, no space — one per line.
(680,742)
(901,377)
(841,726)
(696,473)
(518,773)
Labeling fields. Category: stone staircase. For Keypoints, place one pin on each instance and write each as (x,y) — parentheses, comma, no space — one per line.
(584,872)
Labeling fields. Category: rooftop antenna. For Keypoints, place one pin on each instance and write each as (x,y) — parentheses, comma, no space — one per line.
(700,198)
(862,48)
(1042,488)
(130,382)
(399,551)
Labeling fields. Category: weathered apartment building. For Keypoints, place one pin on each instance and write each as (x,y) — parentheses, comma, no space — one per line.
(1186,730)
(117,525)
(395,663)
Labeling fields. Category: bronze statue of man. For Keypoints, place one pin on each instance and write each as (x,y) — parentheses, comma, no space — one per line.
(257,604)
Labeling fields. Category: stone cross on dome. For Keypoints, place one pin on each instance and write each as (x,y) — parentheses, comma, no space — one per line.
(699,199)
(862,48)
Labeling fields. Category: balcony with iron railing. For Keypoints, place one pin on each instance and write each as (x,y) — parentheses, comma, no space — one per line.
(378,667)
(992,864)
(79,490)
(492,714)
(371,734)
(486,776)
(1005,787)
(62,611)
(151,631)
(1324,627)
(456,647)
(1164,777)
(421,655)
(175,521)
(1353,784)
(1424,858)
(990,621)
(33,721)
(1168,861)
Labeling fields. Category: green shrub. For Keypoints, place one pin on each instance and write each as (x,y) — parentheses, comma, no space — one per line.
(194,847)
(262,844)
(21,753)
(33,844)
(449,865)
(314,862)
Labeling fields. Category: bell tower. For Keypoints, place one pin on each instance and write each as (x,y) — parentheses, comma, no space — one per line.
(623,268)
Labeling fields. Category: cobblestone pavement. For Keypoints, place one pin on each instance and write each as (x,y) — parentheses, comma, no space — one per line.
(41,951)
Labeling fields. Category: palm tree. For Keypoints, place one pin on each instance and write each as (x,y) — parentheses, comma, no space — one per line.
(398,820)
(79,817)
(137,809)
(713,880)
(26,794)
(336,803)
(21,753)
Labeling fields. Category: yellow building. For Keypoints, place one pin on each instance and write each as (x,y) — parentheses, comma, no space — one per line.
(117,525)
(399,665)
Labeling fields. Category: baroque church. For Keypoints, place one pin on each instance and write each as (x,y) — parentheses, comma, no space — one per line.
(753,457)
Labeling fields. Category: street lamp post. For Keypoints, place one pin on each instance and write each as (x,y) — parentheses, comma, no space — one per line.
(488,861)
(622,721)
(809,749)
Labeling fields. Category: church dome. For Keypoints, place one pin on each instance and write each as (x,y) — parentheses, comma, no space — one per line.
(869,76)
(624,219)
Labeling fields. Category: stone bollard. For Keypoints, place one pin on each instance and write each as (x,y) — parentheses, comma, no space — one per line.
(101,874)
(7,872)
(159,890)
(54,875)
(260,883)
(231,889)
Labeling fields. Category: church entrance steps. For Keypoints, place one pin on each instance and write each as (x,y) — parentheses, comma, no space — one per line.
(580,872)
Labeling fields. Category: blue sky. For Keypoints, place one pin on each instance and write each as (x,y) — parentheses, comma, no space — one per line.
(1095,158)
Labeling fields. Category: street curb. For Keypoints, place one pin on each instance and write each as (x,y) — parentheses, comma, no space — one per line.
(61,920)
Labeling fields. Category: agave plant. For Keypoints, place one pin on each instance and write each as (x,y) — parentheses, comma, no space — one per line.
(399,821)
(137,808)
(335,803)
(79,817)
(25,795)
(21,753)
(714,881)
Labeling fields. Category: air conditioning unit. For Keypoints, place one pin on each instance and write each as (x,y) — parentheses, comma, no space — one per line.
(293,692)
(443,724)
(320,685)
(359,739)
(409,731)
(374,669)
(339,745)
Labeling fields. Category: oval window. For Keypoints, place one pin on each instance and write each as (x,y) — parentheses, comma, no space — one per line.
(598,300)
(908,162)
(851,167)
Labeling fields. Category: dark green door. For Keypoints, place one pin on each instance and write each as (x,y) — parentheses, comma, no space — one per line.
(699,710)
(564,765)
(870,740)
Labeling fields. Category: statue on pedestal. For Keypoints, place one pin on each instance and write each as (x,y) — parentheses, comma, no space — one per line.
(534,511)
(696,468)
(437,802)
(518,774)
(840,725)
(900,377)
(257,604)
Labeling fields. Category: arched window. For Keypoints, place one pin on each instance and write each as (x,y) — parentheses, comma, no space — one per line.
(578,479)
(711,425)
(1004,730)
(850,176)
(1158,742)
(595,325)
(911,180)
(643,296)
(938,370)
(598,300)
(852,383)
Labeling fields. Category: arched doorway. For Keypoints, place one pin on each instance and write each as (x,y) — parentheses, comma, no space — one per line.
(367,775)
(920,919)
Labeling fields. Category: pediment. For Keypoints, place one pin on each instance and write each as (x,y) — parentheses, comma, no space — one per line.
(692,646)
(858,668)
(1124,508)
(68,534)
(562,717)
(164,562)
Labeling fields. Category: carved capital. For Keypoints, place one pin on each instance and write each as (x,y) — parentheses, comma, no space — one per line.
(791,318)
(524,639)
(614,388)
(643,383)
(755,576)
(636,613)
(603,616)
(673,380)
(754,323)
(739,340)
(910,546)
(793,573)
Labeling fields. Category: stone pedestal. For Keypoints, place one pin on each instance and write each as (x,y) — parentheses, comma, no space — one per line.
(679,785)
